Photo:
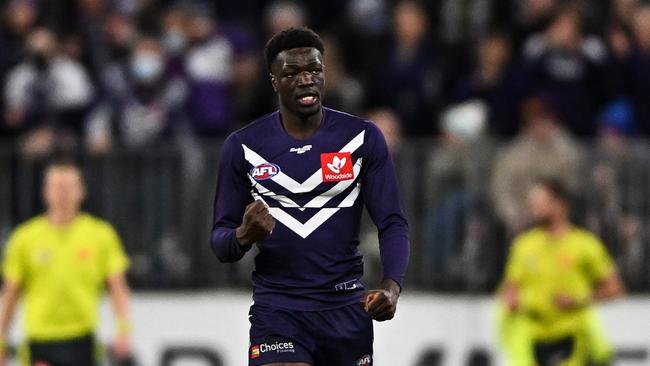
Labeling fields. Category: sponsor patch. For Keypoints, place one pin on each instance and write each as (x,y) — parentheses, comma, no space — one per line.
(336,166)
(277,347)
(255,351)
(265,171)
(84,254)
(300,150)
(348,285)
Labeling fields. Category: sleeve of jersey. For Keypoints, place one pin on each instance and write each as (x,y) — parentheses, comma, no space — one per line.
(514,265)
(381,196)
(117,262)
(232,196)
(599,264)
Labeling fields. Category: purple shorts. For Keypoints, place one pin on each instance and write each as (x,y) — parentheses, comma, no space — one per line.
(341,337)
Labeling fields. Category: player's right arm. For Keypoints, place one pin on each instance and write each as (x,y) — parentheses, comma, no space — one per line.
(10,294)
(510,291)
(256,225)
(238,221)
(13,269)
(603,273)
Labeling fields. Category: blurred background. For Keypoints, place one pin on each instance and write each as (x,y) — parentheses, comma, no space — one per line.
(477,99)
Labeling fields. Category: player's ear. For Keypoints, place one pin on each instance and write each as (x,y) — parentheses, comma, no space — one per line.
(274,83)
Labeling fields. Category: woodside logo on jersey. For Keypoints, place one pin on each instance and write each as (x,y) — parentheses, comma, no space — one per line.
(336,166)
(265,171)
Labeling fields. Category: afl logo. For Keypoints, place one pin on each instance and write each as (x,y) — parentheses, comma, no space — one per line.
(265,171)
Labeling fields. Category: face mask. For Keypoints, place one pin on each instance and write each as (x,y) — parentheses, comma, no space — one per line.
(174,41)
(146,67)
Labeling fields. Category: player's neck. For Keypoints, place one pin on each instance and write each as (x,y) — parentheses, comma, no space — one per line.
(559,227)
(60,218)
(300,128)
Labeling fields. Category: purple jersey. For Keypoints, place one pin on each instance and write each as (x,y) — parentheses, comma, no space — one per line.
(315,190)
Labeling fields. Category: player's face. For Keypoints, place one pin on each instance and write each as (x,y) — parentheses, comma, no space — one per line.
(297,76)
(63,189)
(542,205)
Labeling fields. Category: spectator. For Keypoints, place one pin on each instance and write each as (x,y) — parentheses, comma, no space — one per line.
(278,16)
(460,219)
(615,206)
(342,91)
(365,28)
(408,81)
(145,105)
(390,127)
(284,14)
(147,117)
(623,11)
(47,96)
(19,17)
(530,17)
(106,39)
(569,66)
(463,23)
(542,149)
(245,70)
(211,68)
(493,81)
(174,25)
(634,65)
(121,32)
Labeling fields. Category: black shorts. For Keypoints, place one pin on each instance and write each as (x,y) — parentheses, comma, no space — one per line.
(338,337)
(71,352)
(553,353)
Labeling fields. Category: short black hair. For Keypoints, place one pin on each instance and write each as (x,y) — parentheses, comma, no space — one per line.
(291,38)
(557,188)
(62,161)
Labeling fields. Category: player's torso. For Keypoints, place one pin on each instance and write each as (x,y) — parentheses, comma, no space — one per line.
(61,258)
(305,183)
(552,267)
(63,278)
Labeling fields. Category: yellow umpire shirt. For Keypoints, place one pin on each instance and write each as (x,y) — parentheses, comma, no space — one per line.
(544,266)
(62,272)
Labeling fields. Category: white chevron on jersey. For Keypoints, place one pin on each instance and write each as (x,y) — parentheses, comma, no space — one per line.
(307,186)
(315,221)
(265,192)
(313,181)
(322,199)
(318,201)
(351,197)
(299,228)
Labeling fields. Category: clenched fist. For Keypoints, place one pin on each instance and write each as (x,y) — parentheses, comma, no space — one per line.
(381,304)
(256,225)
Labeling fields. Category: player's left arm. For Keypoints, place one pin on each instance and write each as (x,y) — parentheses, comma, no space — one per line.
(609,288)
(603,272)
(381,196)
(600,269)
(116,265)
(118,290)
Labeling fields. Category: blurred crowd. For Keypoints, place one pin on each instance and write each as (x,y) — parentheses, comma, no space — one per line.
(93,76)
(99,73)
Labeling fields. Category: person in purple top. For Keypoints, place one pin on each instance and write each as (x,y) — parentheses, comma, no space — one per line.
(294,182)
